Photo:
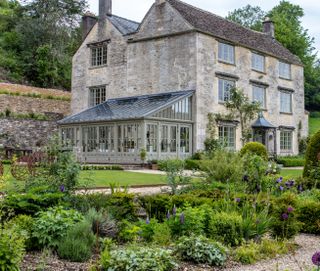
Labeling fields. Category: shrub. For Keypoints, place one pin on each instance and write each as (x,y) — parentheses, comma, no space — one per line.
(129,232)
(201,250)
(51,225)
(161,234)
(312,155)
(309,215)
(187,221)
(138,259)
(11,250)
(291,161)
(33,201)
(101,167)
(77,245)
(254,148)
(22,225)
(225,166)
(226,228)
(248,253)
(192,164)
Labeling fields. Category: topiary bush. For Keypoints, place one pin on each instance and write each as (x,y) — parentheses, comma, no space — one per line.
(309,215)
(77,245)
(312,155)
(226,228)
(200,249)
(254,148)
(138,259)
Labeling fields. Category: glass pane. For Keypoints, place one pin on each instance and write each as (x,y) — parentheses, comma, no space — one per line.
(185,139)
(173,139)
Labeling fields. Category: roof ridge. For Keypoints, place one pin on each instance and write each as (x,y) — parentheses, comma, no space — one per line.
(219,16)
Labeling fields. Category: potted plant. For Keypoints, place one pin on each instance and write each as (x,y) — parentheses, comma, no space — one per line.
(154,165)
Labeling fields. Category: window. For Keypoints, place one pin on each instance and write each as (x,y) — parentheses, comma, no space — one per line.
(106,139)
(224,89)
(99,56)
(68,137)
(284,70)
(97,95)
(227,136)
(285,141)
(184,139)
(181,111)
(258,62)
(89,139)
(226,53)
(285,102)
(152,138)
(259,95)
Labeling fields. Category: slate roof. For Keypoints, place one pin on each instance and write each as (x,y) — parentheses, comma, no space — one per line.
(219,27)
(125,26)
(261,122)
(135,107)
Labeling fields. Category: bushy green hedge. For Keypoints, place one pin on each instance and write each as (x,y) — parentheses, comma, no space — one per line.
(312,155)
(309,215)
(192,164)
(254,148)
(291,161)
(101,167)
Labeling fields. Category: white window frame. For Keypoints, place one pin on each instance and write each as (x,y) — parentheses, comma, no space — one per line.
(97,95)
(258,62)
(260,87)
(284,70)
(227,136)
(99,55)
(224,89)
(286,141)
(226,53)
(283,104)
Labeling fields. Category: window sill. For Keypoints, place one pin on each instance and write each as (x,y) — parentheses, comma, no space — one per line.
(261,72)
(98,67)
(227,63)
(287,79)
(286,113)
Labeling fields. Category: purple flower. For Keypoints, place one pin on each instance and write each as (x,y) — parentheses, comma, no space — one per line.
(300,188)
(290,209)
(281,188)
(316,258)
(279,180)
(182,218)
(168,215)
(174,210)
(238,200)
(62,188)
(284,216)
(147,221)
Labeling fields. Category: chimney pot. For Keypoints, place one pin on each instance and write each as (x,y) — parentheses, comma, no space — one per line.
(268,27)
(88,21)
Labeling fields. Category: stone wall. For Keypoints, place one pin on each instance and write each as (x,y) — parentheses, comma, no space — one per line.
(21,104)
(26,133)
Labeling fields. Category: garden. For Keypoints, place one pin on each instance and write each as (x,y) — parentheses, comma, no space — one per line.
(240,211)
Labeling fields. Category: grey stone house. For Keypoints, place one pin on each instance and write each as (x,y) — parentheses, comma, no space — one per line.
(151,85)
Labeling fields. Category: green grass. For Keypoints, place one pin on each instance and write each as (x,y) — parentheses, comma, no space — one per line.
(314,125)
(291,173)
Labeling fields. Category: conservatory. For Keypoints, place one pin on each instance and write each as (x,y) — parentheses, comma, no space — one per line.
(117,130)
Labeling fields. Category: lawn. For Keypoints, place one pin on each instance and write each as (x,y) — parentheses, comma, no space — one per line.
(291,173)
(314,125)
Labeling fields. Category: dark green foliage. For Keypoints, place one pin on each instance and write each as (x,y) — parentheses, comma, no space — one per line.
(11,250)
(291,161)
(53,224)
(35,200)
(100,167)
(77,245)
(119,205)
(309,215)
(138,259)
(200,249)
(192,164)
(256,148)
(312,155)
(226,228)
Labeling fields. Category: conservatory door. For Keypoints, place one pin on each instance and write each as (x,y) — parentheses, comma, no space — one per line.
(168,140)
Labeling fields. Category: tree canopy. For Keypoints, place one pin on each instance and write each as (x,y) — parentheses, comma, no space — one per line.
(290,32)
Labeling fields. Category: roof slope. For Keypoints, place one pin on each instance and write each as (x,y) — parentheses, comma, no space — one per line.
(230,31)
(127,108)
(125,26)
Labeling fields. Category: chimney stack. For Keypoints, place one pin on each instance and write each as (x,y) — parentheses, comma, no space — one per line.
(159,2)
(268,27)
(105,8)
(88,21)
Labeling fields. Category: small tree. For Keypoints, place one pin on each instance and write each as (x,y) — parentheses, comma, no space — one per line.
(243,109)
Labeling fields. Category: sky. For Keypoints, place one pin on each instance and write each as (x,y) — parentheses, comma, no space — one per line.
(136,10)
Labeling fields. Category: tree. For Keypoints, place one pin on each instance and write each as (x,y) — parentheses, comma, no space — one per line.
(243,109)
(248,16)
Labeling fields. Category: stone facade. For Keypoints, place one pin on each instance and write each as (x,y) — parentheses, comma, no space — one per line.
(168,54)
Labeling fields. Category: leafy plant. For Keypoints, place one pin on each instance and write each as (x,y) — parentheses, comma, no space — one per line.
(138,259)
(200,249)
(161,234)
(254,148)
(11,250)
(77,245)
(312,155)
(53,224)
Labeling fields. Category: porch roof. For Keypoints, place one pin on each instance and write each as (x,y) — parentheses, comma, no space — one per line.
(135,107)
(261,122)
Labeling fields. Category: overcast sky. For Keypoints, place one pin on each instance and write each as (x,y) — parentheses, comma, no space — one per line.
(136,9)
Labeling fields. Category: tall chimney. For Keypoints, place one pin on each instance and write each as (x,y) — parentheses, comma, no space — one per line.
(105,8)
(268,27)
(88,21)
